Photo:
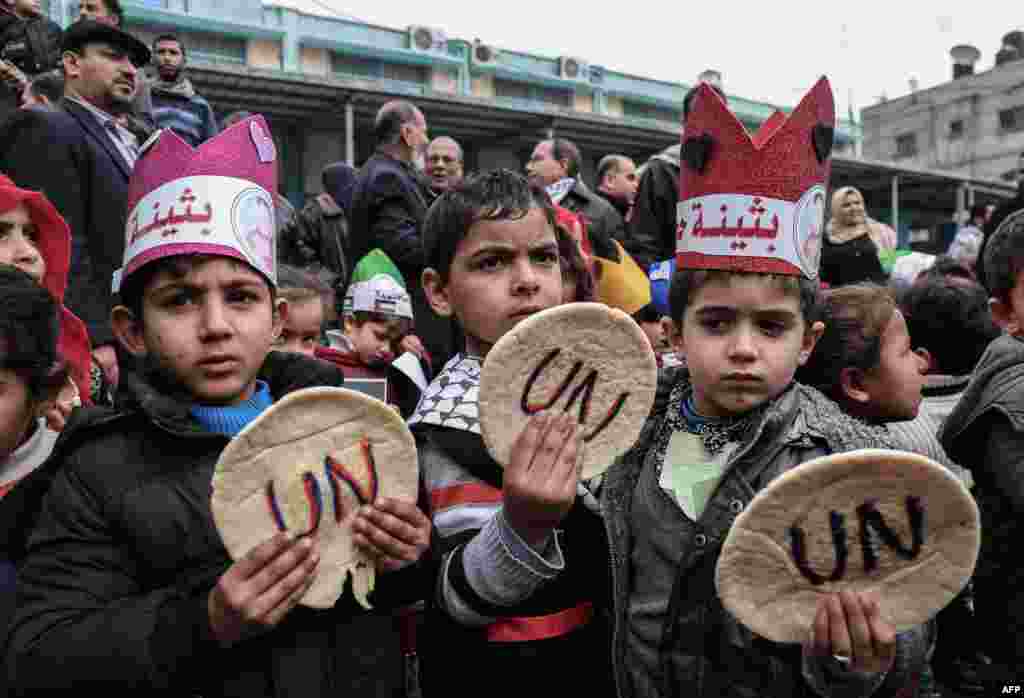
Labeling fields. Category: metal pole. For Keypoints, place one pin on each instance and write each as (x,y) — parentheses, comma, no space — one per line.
(896,205)
(350,134)
(961,202)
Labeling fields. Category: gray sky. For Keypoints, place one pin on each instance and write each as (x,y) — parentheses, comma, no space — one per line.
(769,51)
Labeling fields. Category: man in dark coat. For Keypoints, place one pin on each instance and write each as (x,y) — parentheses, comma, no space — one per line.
(555,165)
(29,46)
(88,158)
(652,227)
(389,204)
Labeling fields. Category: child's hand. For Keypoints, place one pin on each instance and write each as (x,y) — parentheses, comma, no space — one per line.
(258,590)
(395,533)
(541,477)
(849,625)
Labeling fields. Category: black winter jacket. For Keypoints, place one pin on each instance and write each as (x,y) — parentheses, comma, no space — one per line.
(113,588)
(985,433)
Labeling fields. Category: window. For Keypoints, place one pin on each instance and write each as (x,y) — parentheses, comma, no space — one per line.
(376,69)
(956,129)
(1012,119)
(906,145)
(526,92)
(640,110)
(200,47)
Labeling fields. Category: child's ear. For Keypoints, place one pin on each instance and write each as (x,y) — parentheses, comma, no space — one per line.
(811,337)
(281,310)
(851,383)
(128,330)
(437,292)
(674,332)
(926,356)
(1002,313)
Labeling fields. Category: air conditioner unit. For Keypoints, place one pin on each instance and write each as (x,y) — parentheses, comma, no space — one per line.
(484,54)
(427,39)
(570,68)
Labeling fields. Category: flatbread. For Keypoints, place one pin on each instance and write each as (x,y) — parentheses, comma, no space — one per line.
(761,583)
(587,356)
(311,460)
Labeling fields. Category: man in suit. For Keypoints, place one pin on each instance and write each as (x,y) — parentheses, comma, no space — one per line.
(81,157)
(389,203)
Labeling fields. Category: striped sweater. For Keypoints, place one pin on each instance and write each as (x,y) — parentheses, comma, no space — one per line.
(498,602)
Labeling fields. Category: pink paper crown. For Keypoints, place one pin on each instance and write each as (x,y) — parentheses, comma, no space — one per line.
(754,203)
(214,199)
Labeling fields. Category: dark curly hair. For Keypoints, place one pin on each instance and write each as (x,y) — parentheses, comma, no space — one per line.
(29,330)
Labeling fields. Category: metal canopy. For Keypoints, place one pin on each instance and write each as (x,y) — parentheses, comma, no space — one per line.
(306,101)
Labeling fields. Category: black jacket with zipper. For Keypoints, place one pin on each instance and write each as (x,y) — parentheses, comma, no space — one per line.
(113,582)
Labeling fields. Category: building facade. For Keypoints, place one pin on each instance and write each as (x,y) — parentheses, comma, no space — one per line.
(972,125)
(320,77)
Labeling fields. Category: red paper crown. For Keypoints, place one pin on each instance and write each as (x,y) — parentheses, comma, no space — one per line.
(214,199)
(756,203)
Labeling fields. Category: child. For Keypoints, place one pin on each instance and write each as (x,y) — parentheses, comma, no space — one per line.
(377,321)
(36,239)
(126,585)
(308,303)
(376,317)
(937,307)
(31,374)
(864,359)
(744,318)
(514,603)
(984,434)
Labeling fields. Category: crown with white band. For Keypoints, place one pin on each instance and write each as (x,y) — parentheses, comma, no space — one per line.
(215,199)
(754,203)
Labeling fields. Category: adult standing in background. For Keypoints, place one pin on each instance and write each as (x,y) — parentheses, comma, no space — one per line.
(849,252)
(176,104)
(652,227)
(617,183)
(389,204)
(88,159)
(444,164)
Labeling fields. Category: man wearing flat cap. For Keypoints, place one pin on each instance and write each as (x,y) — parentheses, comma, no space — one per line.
(81,156)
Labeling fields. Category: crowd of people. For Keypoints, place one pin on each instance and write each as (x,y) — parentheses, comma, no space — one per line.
(159,294)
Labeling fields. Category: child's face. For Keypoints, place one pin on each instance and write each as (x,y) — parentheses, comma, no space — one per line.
(1009,313)
(655,333)
(210,331)
(894,386)
(503,271)
(374,341)
(18,243)
(303,321)
(16,412)
(743,338)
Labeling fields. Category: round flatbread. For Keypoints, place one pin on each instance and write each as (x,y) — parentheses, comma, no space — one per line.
(309,462)
(585,357)
(871,520)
